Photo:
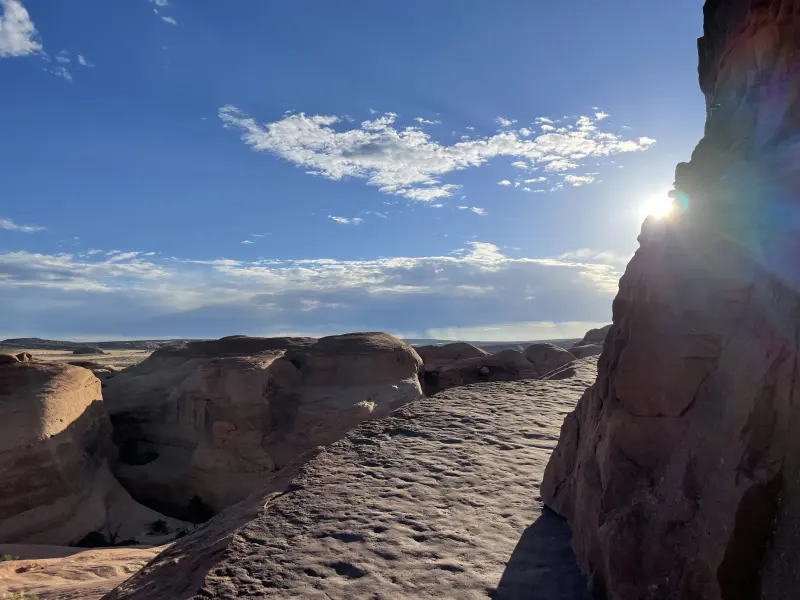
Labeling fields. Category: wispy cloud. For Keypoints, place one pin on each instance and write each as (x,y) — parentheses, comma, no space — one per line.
(18,36)
(62,57)
(169,20)
(247,242)
(407,161)
(84,62)
(60,71)
(505,122)
(422,121)
(476,209)
(160,3)
(345,220)
(9,225)
(136,293)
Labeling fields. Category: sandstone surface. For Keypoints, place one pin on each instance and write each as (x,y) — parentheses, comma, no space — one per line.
(679,470)
(54,451)
(547,357)
(202,425)
(437,500)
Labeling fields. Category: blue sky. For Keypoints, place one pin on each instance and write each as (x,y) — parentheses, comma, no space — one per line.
(473,170)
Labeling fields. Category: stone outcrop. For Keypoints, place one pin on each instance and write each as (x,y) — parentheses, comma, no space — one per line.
(202,425)
(434,501)
(594,337)
(438,355)
(54,447)
(586,350)
(508,365)
(679,470)
(547,357)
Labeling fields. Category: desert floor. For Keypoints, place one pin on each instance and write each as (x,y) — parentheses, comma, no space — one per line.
(116,358)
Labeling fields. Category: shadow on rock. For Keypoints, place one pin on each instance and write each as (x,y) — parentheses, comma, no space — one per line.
(543,565)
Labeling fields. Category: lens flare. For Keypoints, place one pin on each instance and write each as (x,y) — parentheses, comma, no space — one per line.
(660,207)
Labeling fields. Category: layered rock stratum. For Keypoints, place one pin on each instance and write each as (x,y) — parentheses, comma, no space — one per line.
(437,500)
(679,470)
(54,453)
(200,426)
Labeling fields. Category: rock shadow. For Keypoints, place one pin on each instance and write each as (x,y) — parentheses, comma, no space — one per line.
(543,566)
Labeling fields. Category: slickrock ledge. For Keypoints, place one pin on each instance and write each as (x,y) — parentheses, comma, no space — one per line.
(438,500)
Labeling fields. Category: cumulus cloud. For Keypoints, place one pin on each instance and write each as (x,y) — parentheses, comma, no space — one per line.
(18,36)
(578,180)
(345,220)
(9,225)
(504,182)
(133,294)
(505,122)
(422,121)
(406,161)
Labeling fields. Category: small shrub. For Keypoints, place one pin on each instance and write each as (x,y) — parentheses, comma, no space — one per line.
(158,527)
(6,557)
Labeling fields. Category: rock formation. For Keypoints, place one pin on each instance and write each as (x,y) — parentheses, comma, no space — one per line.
(54,447)
(201,425)
(547,357)
(436,355)
(434,501)
(678,470)
(594,337)
(508,365)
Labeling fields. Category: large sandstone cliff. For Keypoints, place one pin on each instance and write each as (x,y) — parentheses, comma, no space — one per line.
(679,470)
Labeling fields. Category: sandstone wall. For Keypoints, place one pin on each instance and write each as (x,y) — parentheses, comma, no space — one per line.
(679,470)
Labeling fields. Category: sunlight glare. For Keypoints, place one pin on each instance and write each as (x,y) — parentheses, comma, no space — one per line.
(659,207)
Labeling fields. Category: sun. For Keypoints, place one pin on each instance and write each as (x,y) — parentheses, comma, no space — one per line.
(659,206)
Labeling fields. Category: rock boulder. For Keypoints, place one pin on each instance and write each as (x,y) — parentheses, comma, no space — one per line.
(547,357)
(54,447)
(200,426)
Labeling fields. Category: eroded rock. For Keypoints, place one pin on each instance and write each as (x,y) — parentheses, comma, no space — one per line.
(200,426)
(678,470)
(54,448)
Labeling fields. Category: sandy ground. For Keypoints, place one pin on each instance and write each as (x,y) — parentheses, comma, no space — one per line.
(438,500)
(59,573)
(116,358)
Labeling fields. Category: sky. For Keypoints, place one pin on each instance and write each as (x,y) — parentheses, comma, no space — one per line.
(458,169)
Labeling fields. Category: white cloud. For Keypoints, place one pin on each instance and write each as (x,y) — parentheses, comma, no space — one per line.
(84,62)
(520,164)
(60,71)
(578,180)
(62,57)
(505,122)
(246,242)
(601,115)
(407,161)
(478,211)
(18,36)
(536,180)
(9,225)
(422,121)
(504,182)
(161,3)
(345,220)
(136,295)
(169,20)
(524,131)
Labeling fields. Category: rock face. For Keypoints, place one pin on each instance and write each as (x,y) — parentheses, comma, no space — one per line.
(202,425)
(547,357)
(594,337)
(679,470)
(433,501)
(508,365)
(436,355)
(54,446)
(586,350)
